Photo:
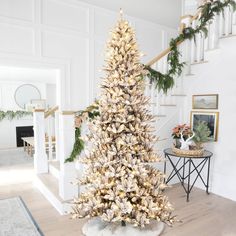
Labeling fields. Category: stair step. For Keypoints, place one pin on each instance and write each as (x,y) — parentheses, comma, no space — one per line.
(178,95)
(48,185)
(212,49)
(199,62)
(168,105)
(51,183)
(227,36)
(160,116)
(189,74)
(54,168)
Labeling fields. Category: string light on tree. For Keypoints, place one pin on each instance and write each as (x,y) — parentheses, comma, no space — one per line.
(122,186)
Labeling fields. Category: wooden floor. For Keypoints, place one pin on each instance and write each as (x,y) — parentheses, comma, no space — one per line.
(204,215)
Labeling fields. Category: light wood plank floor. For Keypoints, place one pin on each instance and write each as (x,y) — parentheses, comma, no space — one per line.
(204,215)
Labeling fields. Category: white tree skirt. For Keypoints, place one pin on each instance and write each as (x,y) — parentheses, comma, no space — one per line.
(96,227)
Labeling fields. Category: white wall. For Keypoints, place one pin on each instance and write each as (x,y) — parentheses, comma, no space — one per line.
(7,94)
(8,131)
(68,35)
(219,76)
(51,95)
(7,102)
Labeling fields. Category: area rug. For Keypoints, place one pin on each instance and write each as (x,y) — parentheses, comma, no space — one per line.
(16,220)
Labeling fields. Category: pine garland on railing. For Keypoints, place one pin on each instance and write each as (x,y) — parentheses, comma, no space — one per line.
(88,114)
(78,146)
(10,115)
(163,82)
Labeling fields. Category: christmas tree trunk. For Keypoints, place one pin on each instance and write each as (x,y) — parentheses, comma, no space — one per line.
(121,185)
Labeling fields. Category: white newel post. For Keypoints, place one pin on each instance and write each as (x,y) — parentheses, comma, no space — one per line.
(40,156)
(67,190)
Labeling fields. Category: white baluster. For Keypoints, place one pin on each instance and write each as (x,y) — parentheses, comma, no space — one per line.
(147,82)
(215,32)
(226,22)
(157,102)
(221,25)
(165,64)
(208,38)
(234,18)
(188,44)
(230,20)
(161,101)
(49,123)
(202,48)
(40,156)
(160,66)
(153,99)
(57,144)
(194,45)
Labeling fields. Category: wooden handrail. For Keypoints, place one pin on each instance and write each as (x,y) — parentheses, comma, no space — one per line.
(167,51)
(162,54)
(50,111)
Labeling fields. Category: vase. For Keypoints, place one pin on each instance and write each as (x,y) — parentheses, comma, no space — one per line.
(177,143)
(97,227)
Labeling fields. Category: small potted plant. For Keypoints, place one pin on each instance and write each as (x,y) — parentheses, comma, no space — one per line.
(190,143)
(202,133)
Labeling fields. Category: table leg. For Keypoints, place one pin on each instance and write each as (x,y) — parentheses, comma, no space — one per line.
(165,168)
(24,145)
(208,173)
(28,150)
(189,171)
(183,172)
(31,150)
(165,165)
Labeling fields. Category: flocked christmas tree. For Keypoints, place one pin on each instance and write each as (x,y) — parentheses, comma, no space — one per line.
(122,186)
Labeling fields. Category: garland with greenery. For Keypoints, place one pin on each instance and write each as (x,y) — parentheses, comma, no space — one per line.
(78,146)
(88,114)
(163,82)
(10,115)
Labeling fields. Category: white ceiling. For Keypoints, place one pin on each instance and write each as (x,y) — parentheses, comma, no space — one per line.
(9,73)
(164,12)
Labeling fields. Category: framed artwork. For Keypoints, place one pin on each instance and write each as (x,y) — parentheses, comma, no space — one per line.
(38,103)
(205,101)
(211,118)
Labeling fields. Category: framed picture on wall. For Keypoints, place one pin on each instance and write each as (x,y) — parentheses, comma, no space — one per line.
(212,120)
(38,103)
(205,101)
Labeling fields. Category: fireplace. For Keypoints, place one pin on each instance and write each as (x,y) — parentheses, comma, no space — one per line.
(23,131)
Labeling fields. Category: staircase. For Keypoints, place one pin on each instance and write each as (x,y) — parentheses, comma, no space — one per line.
(168,108)
(54,176)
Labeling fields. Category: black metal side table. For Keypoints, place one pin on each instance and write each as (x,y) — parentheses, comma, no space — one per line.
(179,169)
